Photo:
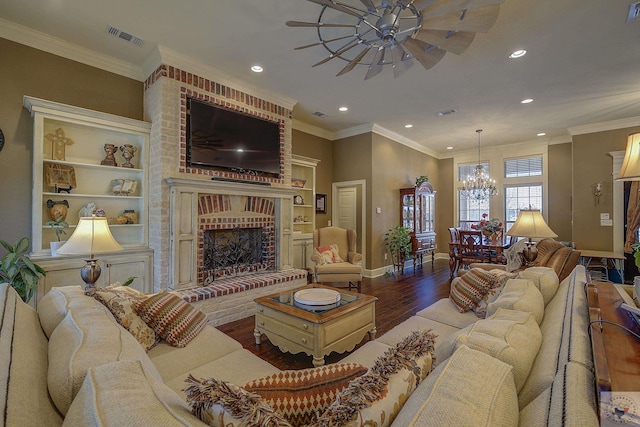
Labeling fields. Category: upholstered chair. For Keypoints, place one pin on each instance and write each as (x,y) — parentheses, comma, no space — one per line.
(345,269)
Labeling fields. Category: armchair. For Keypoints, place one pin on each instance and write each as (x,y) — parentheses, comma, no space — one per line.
(349,268)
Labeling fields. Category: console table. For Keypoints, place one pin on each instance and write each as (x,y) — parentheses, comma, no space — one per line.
(616,353)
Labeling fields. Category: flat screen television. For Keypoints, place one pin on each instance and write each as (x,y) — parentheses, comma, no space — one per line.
(223,138)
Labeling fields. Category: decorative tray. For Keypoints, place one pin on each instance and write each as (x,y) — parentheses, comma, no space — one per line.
(317,298)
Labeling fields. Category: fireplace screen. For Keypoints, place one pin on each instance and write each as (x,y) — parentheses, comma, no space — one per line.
(237,249)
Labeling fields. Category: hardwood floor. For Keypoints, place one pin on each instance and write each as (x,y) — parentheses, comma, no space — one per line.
(398,299)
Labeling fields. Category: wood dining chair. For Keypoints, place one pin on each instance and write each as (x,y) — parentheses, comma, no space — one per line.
(471,248)
(454,250)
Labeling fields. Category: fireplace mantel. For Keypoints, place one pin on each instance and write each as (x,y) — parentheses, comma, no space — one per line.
(184,223)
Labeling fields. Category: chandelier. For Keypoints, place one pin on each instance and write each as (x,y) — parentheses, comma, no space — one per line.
(479,186)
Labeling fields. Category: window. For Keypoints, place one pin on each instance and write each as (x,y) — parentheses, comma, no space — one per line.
(518,197)
(465,171)
(470,211)
(530,166)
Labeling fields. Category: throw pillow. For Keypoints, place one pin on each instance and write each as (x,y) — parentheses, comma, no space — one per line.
(298,395)
(375,398)
(545,279)
(514,255)
(119,300)
(175,320)
(494,292)
(468,289)
(329,254)
(219,403)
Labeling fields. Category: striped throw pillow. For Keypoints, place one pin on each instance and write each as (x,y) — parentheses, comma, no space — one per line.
(173,319)
(468,289)
(298,395)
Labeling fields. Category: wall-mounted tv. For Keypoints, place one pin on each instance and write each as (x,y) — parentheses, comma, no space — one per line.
(223,138)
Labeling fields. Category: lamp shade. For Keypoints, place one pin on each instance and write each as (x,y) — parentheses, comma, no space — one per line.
(91,236)
(530,223)
(630,170)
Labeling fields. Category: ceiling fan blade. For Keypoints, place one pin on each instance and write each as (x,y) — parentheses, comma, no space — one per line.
(445,7)
(335,6)
(369,4)
(426,54)
(454,42)
(323,42)
(400,66)
(334,55)
(350,66)
(421,4)
(472,20)
(376,65)
(316,24)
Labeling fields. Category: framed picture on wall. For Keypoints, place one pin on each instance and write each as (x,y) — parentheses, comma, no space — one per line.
(321,203)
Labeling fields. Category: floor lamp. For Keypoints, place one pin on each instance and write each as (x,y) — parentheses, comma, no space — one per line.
(530,224)
(91,236)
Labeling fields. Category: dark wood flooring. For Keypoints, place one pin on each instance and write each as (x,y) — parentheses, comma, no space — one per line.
(399,297)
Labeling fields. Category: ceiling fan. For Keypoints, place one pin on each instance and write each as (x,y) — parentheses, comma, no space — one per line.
(378,33)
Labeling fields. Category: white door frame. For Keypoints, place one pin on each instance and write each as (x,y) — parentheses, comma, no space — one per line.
(334,210)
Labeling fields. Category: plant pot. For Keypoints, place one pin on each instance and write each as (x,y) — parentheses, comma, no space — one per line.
(55,246)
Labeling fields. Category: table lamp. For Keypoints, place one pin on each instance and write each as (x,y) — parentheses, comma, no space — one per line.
(91,236)
(630,169)
(530,224)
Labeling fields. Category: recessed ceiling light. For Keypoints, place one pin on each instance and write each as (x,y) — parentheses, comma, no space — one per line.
(449,148)
(343,109)
(240,150)
(257,69)
(518,54)
(527,101)
(408,125)
(541,134)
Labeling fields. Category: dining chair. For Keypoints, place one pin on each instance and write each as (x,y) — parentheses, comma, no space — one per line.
(454,250)
(471,248)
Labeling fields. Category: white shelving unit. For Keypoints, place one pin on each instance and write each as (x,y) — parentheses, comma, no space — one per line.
(86,132)
(304,214)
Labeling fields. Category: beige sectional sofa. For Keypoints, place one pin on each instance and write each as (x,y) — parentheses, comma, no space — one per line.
(71,363)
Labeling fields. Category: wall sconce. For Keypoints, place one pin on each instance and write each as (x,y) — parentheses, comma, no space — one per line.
(598,192)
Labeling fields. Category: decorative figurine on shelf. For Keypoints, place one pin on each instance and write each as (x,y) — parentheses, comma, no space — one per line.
(88,210)
(128,151)
(110,159)
(58,143)
(57,209)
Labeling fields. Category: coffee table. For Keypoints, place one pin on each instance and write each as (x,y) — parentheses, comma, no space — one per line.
(316,332)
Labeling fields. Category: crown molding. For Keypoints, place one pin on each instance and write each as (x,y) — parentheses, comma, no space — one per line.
(404,141)
(166,56)
(605,126)
(56,46)
(313,130)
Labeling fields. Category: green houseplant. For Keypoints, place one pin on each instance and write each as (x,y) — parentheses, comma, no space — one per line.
(18,270)
(398,241)
(636,254)
(59,226)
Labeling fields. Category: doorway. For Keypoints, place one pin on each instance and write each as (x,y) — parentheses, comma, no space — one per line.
(348,211)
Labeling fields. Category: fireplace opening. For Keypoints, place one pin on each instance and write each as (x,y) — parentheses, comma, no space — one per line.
(233,251)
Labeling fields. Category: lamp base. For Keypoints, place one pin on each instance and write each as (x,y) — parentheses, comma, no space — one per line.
(530,253)
(90,273)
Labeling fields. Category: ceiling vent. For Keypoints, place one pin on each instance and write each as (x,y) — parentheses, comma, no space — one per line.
(320,114)
(634,12)
(130,38)
(447,112)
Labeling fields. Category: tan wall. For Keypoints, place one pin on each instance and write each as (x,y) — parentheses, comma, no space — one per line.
(559,209)
(28,71)
(321,149)
(445,203)
(591,163)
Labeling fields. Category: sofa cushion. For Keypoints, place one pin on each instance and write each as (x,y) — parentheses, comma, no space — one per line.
(468,289)
(519,294)
(328,254)
(298,395)
(510,336)
(84,339)
(174,319)
(451,396)
(570,398)
(376,397)
(220,403)
(24,398)
(125,393)
(494,291)
(443,311)
(119,301)
(55,305)
(545,279)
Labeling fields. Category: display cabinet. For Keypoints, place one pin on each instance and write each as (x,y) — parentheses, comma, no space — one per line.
(417,213)
(303,181)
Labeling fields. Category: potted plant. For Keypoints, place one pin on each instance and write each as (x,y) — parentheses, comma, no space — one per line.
(398,241)
(58,225)
(421,179)
(18,270)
